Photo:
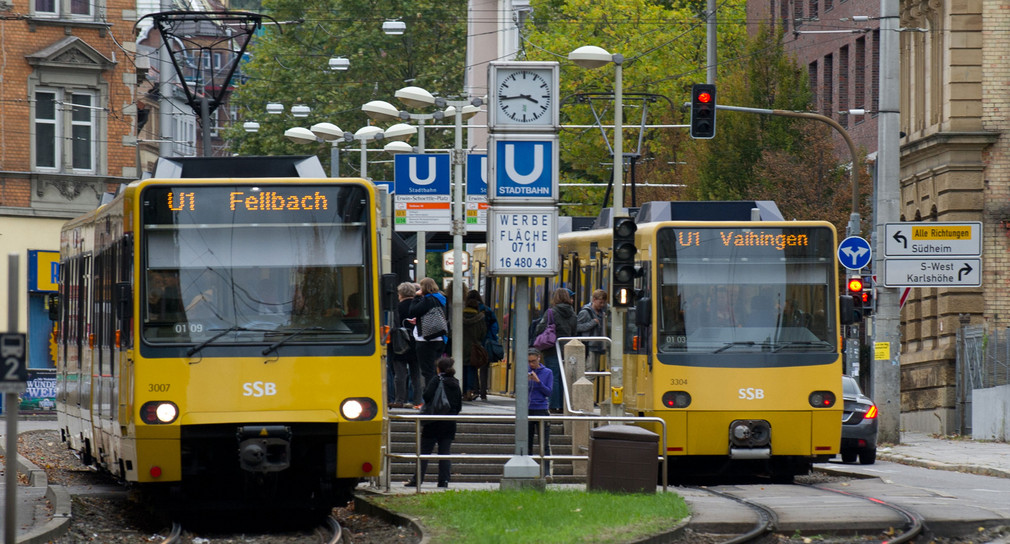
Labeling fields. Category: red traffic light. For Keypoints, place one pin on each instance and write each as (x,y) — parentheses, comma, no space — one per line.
(856,286)
(704,98)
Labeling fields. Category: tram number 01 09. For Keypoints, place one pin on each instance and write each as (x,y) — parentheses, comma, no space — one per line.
(181,328)
(523,262)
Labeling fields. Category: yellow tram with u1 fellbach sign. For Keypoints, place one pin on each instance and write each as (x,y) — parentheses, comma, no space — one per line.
(219,335)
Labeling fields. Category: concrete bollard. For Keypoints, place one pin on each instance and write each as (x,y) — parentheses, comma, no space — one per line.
(582,399)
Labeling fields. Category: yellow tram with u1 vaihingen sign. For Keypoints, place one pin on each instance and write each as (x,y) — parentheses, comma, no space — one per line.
(733,334)
(219,338)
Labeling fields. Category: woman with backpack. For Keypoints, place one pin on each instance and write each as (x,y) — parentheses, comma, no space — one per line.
(475,360)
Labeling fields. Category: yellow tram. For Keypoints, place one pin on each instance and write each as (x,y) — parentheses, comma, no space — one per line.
(220,336)
(734,337)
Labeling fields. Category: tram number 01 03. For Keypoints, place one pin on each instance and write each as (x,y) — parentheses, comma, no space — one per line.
(523,262)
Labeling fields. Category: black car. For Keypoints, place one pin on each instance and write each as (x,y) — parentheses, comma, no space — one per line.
(859,425)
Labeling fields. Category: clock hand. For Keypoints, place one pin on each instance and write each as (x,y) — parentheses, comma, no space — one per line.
(503,97)
(528,97)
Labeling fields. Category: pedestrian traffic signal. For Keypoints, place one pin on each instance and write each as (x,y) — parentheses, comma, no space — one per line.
(867,295)
(703,111)
(623,261)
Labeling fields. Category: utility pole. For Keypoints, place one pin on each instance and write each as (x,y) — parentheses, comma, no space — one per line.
(166,128)
(886,390)
(710,42)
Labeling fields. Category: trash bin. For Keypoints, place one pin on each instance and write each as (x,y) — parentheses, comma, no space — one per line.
(623,458)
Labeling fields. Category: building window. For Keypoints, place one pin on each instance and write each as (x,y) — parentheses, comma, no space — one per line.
(814,89)
(185,135)
(65,130)
(828,86)
(77,9)
(843,85)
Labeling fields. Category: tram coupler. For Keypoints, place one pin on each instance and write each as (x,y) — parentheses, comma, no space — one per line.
(264,448)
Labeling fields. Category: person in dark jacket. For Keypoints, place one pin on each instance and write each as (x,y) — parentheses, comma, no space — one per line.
(591,321)
(474,332)
(441,432)
(428,349)
(541,382)
(405,364)
(562,315)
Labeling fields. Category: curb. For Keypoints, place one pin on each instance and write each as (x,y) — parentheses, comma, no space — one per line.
(938,465)
(369,508)
(57,495)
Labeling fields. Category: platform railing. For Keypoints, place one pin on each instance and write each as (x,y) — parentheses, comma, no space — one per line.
(418,419)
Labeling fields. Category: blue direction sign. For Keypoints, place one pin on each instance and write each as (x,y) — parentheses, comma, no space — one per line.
(524,169)
(420,174)
(854,253)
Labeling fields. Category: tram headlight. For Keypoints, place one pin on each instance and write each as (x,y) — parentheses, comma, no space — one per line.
(359,409)
(676,399)
(822,399)
(159,412)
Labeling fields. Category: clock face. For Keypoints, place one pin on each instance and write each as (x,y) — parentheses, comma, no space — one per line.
(524,96)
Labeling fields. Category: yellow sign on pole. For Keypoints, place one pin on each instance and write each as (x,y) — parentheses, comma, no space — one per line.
(881,351)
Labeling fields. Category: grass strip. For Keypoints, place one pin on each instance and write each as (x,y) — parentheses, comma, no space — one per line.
(555,516)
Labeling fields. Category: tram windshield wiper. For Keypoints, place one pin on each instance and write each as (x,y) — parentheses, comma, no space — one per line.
(818,343)
(732,344)
(291,336)
(193,350)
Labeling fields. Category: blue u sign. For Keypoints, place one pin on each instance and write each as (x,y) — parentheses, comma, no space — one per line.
(420,174)
(524,169)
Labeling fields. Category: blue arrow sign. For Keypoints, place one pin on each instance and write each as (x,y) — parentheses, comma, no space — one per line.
(854,253)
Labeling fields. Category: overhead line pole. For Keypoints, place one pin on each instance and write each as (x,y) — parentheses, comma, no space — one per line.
(886,374)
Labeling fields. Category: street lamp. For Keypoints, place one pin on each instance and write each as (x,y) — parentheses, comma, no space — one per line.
(590,56)
(394,28)
(339,63)
(251,126)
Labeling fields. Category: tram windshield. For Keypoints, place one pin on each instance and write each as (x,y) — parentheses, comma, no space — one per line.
(241,264)
(746,290)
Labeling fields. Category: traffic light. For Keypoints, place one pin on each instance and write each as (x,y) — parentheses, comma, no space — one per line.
(867,295)
(703,111)
(854,290)
(623,261)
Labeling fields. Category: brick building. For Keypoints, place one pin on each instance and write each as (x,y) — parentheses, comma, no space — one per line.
(68,112)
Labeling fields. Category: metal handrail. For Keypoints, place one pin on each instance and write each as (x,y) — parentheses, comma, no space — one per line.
(417,456)
(564,375)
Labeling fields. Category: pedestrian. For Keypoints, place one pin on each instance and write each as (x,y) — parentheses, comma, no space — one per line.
(474,331)
(491,322)
(562,315)
(428,350)
(591,321)
(405,365)
(440,432)
(541,384)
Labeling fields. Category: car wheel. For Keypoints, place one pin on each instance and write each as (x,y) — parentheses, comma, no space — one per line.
(848,457)
(867,457)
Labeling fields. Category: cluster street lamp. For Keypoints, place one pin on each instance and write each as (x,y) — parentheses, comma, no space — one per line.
(590,56)
(459,111)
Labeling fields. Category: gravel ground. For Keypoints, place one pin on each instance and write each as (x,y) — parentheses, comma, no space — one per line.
(105,512)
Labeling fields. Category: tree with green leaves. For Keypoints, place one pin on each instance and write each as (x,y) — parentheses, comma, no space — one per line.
(663,44)
(288,64)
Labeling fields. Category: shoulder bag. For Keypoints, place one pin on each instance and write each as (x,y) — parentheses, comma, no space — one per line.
(433,323)
(547,339)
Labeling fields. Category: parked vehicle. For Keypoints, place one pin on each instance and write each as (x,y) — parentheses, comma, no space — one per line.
(859,425)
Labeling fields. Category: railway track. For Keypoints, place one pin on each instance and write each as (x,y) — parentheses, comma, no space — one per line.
(331,530)
(793,513)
